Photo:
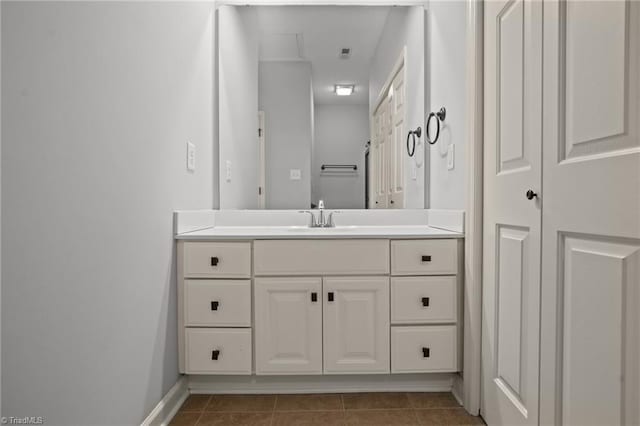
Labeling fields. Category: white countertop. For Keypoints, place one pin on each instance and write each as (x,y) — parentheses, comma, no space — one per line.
(301,232)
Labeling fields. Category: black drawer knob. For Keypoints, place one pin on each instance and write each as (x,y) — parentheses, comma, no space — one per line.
(330,296)
(425,301)
(215,354)
(214,305)
(314,297)
(215,261)
(426,258)
(426,352)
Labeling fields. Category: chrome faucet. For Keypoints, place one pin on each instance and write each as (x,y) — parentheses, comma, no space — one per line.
(322,221)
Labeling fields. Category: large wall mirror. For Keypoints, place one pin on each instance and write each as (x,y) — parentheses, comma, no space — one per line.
(317,102)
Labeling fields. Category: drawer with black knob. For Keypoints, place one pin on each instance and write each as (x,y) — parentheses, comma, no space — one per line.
(218,351)
(424,300)
(424,349)
(424,257)
(217,303)
(217,260)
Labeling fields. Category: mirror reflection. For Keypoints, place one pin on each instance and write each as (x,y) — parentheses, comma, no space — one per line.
(317,103)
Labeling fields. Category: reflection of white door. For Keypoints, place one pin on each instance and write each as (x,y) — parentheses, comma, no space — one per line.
(381,118)
(397,145)
(261,162)
(512,166)
(590,368)
(388,144)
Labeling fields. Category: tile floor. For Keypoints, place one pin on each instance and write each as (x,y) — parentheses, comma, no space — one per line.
(370,409)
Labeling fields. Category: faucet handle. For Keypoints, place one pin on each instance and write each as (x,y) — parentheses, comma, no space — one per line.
(320,204)
(313,222)
(330,223)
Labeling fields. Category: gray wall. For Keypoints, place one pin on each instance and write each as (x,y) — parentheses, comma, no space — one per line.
(405,26)
(447,80)
(238,106)
(341,132)
(98,102)
(285,97)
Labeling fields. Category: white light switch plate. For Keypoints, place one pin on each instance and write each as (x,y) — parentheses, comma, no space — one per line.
(228,171)
(191,156)
(295,174)
(450,157)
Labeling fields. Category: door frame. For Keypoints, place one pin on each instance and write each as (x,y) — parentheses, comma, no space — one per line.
(469,390)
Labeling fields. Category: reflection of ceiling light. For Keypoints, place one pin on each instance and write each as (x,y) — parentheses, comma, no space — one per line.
(344,89)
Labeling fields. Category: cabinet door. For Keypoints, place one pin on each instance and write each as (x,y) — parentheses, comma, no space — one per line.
(288,325)
(356,325)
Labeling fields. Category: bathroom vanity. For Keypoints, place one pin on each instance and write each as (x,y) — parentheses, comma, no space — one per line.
(291,300)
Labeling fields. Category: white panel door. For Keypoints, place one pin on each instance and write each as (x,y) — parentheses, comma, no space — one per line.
(356,325)
(398,142)
(288,325)
(590,368)
(382,156)
(512,167)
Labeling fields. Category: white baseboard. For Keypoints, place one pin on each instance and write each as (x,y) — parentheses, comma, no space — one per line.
(169,405)
(320,384)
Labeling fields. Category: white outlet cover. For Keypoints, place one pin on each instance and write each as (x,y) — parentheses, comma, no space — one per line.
(450,157)
(295,174)
(191,156)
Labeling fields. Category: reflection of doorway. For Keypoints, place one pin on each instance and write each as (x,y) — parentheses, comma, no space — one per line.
(261,162)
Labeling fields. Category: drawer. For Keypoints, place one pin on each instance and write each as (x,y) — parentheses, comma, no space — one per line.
(424,257)
(421,349)
(224,303)
(321,257)
(423,299)
(218,351)
(217,260)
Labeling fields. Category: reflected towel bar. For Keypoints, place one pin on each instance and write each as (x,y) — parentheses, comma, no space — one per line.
(339,166)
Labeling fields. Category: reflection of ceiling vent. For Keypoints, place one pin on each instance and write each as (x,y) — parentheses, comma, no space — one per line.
(345,53)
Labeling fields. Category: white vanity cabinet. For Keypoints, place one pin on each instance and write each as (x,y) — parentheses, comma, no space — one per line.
(319,306)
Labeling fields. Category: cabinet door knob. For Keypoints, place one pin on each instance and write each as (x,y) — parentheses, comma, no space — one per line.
(426,258)
(425,301)
(215,354)
(214,261)
(426,352)
(531,195)
(214,305)
(330,296)
(314,297)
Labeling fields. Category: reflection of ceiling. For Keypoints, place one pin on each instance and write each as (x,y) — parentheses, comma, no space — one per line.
(317,34)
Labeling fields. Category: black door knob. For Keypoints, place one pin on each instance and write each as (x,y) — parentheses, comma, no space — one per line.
(531,195)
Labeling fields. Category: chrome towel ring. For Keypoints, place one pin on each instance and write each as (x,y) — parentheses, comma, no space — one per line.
(413,133)
(439,116)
